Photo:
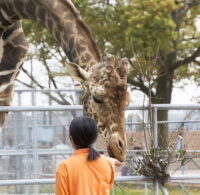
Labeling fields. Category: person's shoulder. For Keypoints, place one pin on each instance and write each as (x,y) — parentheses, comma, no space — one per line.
(67,161)
(62,167)
(74,161)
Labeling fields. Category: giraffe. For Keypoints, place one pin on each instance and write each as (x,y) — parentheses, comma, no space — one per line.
(105,87)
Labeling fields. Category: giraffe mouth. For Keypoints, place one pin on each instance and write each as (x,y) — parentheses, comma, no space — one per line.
(116,148)
(118,157)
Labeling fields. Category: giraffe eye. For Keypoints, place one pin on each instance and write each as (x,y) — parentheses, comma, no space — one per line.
(98,100)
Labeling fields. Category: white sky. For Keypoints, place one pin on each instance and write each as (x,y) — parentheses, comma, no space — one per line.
(189,93)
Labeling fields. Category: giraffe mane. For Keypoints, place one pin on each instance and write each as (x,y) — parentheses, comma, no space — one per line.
(84,27)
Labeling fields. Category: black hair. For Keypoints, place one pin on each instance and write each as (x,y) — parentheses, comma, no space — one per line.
(84,132)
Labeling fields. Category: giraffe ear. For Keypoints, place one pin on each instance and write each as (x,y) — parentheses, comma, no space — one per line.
(77,73)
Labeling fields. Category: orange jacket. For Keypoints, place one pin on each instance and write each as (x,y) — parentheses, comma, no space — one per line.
(77,176)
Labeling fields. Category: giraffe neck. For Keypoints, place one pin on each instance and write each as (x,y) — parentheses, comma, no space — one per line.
(61,19)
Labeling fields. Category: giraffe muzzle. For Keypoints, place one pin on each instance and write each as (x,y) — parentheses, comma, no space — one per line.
(117,147)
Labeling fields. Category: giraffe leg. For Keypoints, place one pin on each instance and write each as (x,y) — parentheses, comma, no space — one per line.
(13,50)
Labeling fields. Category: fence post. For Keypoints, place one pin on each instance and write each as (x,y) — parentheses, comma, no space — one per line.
(155,141)
(146,188)
(35,142)
(155,127)
(18,142)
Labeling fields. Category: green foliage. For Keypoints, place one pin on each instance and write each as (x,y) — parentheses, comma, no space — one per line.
(37,33)
(145,31)
(149,25)
(139,25)
(41,38)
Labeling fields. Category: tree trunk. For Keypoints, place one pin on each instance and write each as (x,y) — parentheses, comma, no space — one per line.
(163,96)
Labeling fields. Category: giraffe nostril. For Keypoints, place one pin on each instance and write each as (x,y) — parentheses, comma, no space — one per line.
(120,144)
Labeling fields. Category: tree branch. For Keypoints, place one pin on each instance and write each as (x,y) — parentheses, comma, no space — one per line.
(63,102)
(52,78)
(54,83)
(32,79)
(25,84)
(56,57)
(188,60)
(197,62)
(141,85)
(180,13)
(46,93)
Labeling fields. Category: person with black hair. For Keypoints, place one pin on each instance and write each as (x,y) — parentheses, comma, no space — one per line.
(86,172)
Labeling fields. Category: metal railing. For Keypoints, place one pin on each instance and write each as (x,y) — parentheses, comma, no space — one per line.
(154,109)
(175,179)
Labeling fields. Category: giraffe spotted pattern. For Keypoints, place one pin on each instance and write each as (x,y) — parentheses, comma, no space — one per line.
(105,87)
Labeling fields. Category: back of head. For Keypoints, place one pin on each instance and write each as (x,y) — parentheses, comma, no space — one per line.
(83,131)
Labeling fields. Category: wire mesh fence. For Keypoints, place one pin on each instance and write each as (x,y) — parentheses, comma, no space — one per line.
(35,139)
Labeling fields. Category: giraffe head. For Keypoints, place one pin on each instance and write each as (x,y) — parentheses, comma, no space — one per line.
(105,99)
